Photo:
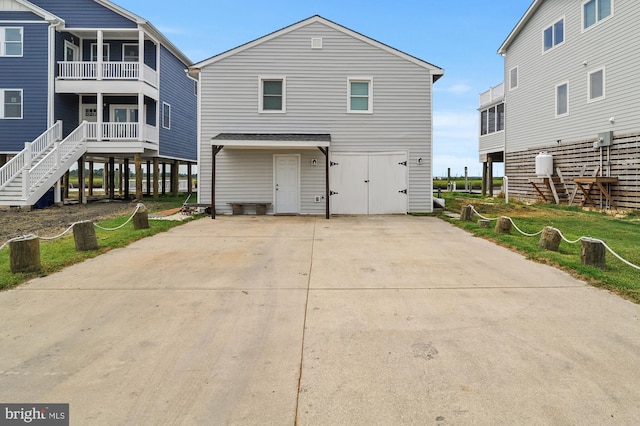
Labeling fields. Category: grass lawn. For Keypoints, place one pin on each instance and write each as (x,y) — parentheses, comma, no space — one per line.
(620,233)
(58,254)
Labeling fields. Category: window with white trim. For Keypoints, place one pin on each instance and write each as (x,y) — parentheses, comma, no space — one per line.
(130,52)
(553,36)
(562,99)
(360,96)
(105,52)
(272,94)
(513,78)
(594,11)
(166,115)
(596,85)
(11,41)
(492,119)
(11,105)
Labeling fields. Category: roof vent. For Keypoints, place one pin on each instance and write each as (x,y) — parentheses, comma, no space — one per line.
(316,43)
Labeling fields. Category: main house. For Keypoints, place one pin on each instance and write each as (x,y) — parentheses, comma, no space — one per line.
(86,80)
(571,90)
(316,119)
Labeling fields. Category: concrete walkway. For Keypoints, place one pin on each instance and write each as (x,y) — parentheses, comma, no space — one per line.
(351,321)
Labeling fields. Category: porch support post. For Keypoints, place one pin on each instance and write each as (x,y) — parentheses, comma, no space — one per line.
(141,56)
(81,198)
(125,174)
(490,175)
(120,178)
(90,178)
(189,179)
(164,178)
(175,178)
(148,178)
(484,179)
(57,196)
(112,178)
(99,118)
(99,59)
(215,149)
(66,185)
(156,175)
(141,118)
(137,158)
(327,195)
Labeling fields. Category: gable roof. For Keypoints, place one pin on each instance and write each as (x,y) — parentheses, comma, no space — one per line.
(520,25)
(39,11)
(437,72)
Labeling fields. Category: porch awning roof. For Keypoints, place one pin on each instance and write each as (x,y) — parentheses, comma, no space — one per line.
(272,140)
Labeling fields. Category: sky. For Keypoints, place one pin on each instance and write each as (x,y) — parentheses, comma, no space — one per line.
(460,36)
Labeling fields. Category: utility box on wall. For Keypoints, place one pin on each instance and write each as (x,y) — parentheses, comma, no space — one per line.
(604,139)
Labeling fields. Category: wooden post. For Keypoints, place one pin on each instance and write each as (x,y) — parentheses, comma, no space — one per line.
(503,226)
(189,179)
(112,178)
(484,223)
(137,158)
(593,253)
(466,215)
(25,255)
(90,178)
(156,177)
(550,239)
(125,174)
(66,186)
(81,180)
(164,178)
(175,178)
(148,178)
(84,235)
(141,219)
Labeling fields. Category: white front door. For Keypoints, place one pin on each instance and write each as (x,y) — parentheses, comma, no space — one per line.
(287,183)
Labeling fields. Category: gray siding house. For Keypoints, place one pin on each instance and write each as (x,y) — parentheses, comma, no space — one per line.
(316,119)
(572,90)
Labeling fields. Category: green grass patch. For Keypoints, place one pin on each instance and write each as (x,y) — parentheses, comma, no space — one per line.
(620,233)
(58,254)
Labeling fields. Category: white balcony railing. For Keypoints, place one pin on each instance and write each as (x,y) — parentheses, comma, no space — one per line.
(122,132)
(78,70)
(492,95)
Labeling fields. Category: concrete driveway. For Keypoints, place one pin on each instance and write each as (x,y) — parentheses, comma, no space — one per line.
(351,321)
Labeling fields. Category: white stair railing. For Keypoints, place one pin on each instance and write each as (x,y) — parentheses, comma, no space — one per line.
(32,151)
(33,177)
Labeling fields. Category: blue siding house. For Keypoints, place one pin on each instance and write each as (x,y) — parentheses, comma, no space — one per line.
(88,81)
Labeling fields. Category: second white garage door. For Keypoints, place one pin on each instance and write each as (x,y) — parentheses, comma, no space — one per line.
(374,183)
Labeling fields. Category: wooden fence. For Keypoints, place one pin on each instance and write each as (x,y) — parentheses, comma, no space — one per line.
(621,160)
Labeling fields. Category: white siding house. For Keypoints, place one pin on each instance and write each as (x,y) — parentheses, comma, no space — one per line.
(570,73)
(272,110)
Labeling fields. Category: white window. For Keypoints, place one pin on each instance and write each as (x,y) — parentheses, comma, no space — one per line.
(94,52)
(273,96)
(594,11)
(360,96)
(11,41)
(130,52)
(553,36)
(562,99)
(513,78)
(596,85)
(166,115)
(492,119)
(11,104)
(71,52)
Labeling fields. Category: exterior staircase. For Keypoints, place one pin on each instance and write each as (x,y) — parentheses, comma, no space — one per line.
(35,169)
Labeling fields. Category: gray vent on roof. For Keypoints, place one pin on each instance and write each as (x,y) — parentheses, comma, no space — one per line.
(316,43)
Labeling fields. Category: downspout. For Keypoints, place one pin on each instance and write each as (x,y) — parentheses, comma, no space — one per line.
(52,73)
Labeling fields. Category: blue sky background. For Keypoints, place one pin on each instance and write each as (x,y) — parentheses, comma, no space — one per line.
(461,36)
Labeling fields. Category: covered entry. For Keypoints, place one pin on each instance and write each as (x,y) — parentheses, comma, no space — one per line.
(369,183)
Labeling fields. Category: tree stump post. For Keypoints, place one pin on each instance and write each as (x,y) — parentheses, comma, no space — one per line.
(550,239)
(84,235)
(24,255)
(503,226)
(592,253)
(466,215)
(141,219)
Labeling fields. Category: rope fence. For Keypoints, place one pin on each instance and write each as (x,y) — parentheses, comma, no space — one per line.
(583,238)
(66,231)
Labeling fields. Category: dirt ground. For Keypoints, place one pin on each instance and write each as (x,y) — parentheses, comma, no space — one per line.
(53,220)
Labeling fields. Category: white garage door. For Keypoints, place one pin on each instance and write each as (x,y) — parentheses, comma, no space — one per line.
(369,183)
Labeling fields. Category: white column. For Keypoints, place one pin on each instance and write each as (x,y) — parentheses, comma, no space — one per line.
(100,114)
(141,57)
(141,118)
(100,49)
